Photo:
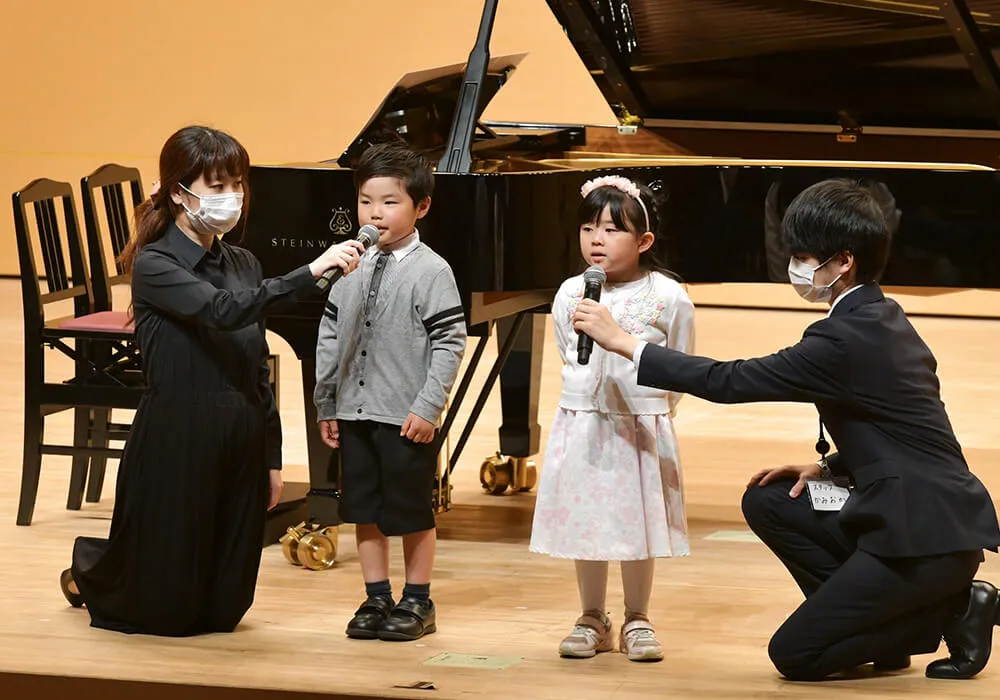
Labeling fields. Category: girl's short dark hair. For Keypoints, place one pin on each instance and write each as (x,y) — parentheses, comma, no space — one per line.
(628,216)
(839,215)
(398,161)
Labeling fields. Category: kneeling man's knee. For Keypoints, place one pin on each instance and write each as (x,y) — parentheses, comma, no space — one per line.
(758,506)
(791,660)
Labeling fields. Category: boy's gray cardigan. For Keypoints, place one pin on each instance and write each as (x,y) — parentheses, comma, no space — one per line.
(401,358)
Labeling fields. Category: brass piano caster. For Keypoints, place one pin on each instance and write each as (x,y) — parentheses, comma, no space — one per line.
(525,474)
(310,546)
(290,543)
(318,550)
(498,473)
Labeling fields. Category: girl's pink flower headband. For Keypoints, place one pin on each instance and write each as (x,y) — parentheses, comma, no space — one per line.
(619,183)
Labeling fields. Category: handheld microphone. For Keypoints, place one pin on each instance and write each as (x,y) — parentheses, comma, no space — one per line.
(367,236)
(593,278)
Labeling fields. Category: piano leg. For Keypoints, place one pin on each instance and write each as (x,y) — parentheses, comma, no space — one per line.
(520,386)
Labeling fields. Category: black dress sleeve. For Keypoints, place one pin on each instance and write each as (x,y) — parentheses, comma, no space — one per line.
(161,281)
(272,426)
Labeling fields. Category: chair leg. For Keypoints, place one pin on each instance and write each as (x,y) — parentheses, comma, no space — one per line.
(95,480)
(31,466)
(78,473)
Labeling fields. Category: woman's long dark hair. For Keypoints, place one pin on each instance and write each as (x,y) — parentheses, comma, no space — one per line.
(628,216)
(189,153)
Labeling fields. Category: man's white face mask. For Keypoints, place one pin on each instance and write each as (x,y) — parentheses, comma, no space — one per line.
(802,277)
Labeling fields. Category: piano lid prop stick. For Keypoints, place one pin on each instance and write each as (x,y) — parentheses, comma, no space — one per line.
(367,236)
(593,279)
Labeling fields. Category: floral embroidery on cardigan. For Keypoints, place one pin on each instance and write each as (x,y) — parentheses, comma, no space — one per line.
(638,313)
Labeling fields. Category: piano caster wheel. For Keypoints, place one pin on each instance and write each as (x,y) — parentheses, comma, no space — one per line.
(311,546)
(318,550)
(526,474)
(290,543)
(496,474)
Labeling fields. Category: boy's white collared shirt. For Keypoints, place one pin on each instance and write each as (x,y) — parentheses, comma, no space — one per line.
(400,249)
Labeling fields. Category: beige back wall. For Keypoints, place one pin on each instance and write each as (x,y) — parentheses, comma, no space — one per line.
(293,81)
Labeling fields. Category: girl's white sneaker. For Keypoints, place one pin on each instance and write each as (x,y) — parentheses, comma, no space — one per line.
(638,641)
(590,636)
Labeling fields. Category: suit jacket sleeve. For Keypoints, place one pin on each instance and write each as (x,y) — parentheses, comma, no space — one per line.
(813,370)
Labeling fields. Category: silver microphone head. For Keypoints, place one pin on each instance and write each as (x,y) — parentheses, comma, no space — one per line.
(368,235)
(595,274)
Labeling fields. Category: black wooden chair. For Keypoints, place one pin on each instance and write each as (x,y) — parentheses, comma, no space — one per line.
(111,235)
(109,382)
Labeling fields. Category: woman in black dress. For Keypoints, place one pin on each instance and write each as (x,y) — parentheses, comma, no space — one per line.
(202,463)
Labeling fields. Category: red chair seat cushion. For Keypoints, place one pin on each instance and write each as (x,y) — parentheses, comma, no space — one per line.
(107,321)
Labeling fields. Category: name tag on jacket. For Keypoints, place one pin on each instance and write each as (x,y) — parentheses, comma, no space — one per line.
(827,496)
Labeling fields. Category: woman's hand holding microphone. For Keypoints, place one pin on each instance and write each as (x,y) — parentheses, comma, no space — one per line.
(344,255)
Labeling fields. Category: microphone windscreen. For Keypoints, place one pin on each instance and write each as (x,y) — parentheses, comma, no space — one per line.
(368,235)
(595,273)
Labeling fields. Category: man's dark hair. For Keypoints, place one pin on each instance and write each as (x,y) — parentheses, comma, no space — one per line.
(395,160)
(839,215)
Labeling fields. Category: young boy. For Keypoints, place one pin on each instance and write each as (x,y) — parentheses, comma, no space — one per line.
(892,572)
(390,345)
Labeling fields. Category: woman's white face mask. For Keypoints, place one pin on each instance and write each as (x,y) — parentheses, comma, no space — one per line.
(802,277)
(217,213)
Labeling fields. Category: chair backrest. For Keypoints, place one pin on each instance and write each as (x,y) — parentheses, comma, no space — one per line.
(110,179)
(64,282)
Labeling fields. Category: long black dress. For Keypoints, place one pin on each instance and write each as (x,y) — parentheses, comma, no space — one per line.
(191,498)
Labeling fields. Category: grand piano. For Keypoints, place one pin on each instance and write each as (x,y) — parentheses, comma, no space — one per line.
(728,107)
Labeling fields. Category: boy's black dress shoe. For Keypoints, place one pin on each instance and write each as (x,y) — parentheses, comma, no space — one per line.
(369,617)
(74,599)
(409,621)
(969,636)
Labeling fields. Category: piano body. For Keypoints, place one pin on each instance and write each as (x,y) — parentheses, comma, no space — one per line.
(730,107)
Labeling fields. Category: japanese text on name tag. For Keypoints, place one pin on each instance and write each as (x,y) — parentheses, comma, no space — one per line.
(824,495)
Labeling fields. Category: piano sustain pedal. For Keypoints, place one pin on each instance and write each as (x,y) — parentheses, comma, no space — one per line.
(499,473)
(310,545)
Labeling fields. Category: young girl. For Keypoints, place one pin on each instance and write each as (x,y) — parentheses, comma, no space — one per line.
(202,462)
(611,487)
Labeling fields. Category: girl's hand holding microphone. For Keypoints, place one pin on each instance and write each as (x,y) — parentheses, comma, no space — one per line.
(344,255)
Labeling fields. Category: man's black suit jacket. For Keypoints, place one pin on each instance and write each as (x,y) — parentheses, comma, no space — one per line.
(873,380)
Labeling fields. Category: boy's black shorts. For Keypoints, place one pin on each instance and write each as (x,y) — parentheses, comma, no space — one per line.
(385,479)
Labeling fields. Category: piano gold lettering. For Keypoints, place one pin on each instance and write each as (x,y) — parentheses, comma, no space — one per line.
(308,243)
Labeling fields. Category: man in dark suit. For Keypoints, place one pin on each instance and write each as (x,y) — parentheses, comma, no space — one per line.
(892,572)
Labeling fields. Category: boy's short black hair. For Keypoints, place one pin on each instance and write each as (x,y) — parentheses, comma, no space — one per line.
(396,160)
(839,215)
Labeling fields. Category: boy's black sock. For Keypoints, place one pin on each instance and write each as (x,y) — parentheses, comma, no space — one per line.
(420,591)
(379,588)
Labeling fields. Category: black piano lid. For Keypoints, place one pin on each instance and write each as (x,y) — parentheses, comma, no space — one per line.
(421,105)
(825,64)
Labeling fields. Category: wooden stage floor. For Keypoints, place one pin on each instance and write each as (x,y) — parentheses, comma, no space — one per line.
(501,614)
(501,610)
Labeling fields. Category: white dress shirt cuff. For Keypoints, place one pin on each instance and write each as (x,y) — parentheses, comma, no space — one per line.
(637,355)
